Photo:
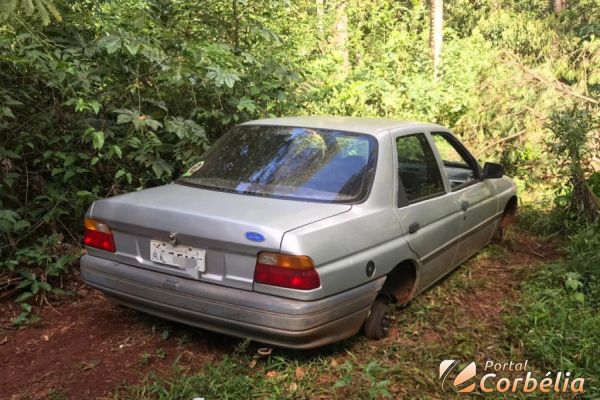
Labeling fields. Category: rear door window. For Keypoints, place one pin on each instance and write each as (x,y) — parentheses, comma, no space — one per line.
(418,172)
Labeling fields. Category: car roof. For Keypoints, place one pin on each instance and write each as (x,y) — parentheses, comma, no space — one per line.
(371,126)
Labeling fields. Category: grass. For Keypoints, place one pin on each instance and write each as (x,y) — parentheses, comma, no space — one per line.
(480,312)
(558,319)
(290,376)
(57,395)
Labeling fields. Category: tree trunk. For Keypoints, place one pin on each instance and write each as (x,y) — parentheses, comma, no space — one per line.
(559,5)
(340,36)
(236,25)
(320,17)
(436,33)
(583,201)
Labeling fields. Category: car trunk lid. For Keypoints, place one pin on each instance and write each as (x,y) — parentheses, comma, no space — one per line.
(231,228)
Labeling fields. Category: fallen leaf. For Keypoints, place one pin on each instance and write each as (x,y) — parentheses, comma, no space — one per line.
(188,356)
(3,340)
(90,364)
(323,379)
(272,374)
(299,373)
(252,363)
(67,327)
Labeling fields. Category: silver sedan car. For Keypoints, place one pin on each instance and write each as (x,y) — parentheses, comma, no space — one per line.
(298,232)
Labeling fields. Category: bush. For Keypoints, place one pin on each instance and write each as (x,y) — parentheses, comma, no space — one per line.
(112,97)
(570,143)
(558,320)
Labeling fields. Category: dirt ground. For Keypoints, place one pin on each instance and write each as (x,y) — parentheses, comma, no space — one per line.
(87,347)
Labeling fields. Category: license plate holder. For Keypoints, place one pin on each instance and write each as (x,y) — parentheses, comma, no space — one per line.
(186,258)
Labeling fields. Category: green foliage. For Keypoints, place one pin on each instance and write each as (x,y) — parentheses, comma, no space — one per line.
(594,183)
(558,319)
(39,267)
(41,9)
(371,373)
(510,30)
(225,380)
(570,144)
(113,97)
(570,136)
(239,376)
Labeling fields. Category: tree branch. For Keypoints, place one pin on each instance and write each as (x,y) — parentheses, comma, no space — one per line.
(554,83)
(501,140)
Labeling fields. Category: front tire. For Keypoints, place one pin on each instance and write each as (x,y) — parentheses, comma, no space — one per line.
(508,217)
(377,323)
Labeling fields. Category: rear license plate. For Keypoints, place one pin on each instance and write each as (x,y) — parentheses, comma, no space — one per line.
(190,259)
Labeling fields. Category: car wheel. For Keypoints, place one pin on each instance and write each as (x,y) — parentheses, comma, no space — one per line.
(508,218)
(377,323)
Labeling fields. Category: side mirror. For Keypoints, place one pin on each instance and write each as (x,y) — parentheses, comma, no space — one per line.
(493,170)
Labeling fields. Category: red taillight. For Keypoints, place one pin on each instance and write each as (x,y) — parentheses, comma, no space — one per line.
(295,272)
(98,234)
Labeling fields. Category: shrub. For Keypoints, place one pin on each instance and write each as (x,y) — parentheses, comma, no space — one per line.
(558,319)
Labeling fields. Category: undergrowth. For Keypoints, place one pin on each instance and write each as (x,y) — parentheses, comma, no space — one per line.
(243,376)
(557,321)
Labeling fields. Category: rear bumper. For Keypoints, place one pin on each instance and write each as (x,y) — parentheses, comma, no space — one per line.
(261,317)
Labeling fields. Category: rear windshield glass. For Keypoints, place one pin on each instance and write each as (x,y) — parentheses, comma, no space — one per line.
(288,162)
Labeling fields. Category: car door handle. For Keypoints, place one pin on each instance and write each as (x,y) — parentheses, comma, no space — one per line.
(412,228)
(464,205)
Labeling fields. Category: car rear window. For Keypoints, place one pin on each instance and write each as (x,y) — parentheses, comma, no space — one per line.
(288,162)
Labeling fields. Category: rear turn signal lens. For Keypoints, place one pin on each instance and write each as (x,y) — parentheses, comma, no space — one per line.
(98,234)
(294,272)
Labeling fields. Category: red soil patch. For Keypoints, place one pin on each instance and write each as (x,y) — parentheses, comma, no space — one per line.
(87,348)
(500,278)
(491,283)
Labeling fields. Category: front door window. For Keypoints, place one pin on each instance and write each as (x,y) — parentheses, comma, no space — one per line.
(460,168)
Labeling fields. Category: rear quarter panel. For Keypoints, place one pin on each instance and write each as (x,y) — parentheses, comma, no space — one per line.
(342,245)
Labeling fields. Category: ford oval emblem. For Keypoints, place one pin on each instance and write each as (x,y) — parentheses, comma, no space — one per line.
(255,237)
